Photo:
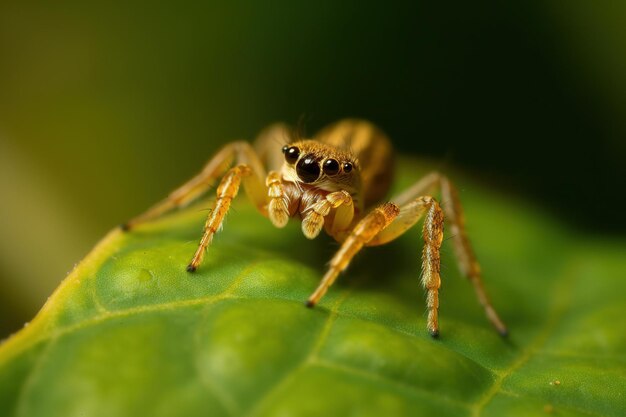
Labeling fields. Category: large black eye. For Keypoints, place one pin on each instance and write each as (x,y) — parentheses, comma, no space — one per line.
(347,167)
(331,167)
(291,154)
(308,169)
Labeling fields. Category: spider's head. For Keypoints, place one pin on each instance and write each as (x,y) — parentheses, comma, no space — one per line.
(321,165)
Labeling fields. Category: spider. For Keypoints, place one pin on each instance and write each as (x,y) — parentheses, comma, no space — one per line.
(334,182)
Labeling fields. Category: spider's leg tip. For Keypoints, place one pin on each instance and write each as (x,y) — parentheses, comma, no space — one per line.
(191,268)
(125,227)
(504,332)
(434,333)
(310,304)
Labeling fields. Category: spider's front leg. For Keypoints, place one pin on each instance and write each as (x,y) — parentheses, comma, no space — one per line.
(383,224)
(454,215)
(226,192)
(468,264)
(248,169)
(432,234)
(368,227)
(410,206)
(238,152)
(268,196)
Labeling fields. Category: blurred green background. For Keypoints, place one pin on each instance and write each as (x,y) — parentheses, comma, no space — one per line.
(104,108)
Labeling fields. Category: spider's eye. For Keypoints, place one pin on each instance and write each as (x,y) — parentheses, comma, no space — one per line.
(308,169)
(285,148)
(291,154)
(331,167)
(347,167)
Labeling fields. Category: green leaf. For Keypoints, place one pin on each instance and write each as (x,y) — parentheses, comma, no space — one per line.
(130,332)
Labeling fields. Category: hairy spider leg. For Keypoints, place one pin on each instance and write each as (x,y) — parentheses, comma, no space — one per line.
(453,210)
(468,264)
(432,233)
(238,152)
(368,227)
(269,196)
(269,142)
(226,192)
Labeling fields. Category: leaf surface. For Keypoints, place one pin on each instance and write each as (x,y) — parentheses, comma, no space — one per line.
(130,332)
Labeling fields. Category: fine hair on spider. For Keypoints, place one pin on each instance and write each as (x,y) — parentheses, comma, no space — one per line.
(335,181)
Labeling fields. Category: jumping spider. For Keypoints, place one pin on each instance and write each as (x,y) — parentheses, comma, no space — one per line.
(335,182)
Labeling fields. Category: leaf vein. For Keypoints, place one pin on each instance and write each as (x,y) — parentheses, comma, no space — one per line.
(417,391)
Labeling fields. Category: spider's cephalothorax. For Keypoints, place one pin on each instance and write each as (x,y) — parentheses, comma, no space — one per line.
(311,172)
(336,182)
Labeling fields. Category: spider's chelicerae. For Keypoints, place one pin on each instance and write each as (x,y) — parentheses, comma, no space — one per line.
(334,182)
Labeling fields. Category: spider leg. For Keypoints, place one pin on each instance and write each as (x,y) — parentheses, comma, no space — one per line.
(464,253)
(269,142)
(313,220)
(240,152)
(269,197)
(432,233)
(363,232)
(454,215)
(226,192)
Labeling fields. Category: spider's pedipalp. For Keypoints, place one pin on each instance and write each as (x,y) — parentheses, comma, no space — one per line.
(278,208)
(314,219)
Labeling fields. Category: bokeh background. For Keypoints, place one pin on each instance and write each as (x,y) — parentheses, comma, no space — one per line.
(104,108)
